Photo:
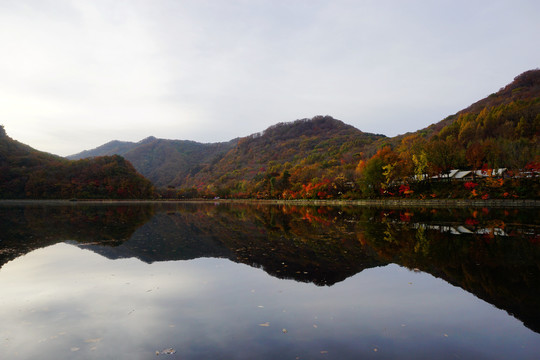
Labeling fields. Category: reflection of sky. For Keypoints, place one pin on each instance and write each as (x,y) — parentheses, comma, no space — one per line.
(64,302)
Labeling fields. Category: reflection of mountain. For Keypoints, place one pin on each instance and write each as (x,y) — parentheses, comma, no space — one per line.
(24,228)
(325,245)
(165,237)
(283,245)
(312,244)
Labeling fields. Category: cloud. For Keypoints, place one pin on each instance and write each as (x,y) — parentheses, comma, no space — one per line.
(79,73)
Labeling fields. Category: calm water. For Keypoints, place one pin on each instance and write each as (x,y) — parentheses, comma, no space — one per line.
(223,281)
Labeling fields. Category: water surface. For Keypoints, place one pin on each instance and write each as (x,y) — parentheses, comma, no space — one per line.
(243,282)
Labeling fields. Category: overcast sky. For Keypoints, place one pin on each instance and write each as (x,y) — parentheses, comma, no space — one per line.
(77,74)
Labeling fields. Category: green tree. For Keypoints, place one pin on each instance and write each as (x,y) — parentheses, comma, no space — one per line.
(372,177)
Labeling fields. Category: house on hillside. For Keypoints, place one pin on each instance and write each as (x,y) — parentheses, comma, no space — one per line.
(463,175)
(501,172)
(420,177)
(466,175)
(455,174)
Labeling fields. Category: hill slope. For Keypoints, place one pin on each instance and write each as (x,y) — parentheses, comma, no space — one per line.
(286,153)
(28,173)
(499,131)
(518,99)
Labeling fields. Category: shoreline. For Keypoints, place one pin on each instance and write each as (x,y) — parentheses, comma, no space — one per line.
(456,203)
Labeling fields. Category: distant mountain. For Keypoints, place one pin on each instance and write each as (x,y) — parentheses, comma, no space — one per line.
(26,173)
(164,162)
(298,146)
(114,147)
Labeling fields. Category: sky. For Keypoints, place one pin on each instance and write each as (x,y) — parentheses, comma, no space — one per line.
(76,74)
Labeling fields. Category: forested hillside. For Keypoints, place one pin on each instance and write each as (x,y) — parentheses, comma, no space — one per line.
(268,164)
(324,158)
(26,173)
(500,131)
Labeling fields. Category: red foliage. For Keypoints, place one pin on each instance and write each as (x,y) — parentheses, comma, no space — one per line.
(533,166)
(405,190)
(317,219)
(405,217)
(469,185)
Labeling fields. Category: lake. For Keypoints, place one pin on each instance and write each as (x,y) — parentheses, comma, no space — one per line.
(251,281)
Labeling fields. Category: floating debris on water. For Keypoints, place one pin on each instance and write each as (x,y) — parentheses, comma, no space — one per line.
(96,340)
(169,351)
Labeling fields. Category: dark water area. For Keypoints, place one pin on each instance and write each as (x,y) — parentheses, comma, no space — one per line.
(247,281)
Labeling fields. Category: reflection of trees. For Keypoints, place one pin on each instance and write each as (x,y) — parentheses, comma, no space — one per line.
(502,268)
(333,243)
(422,243)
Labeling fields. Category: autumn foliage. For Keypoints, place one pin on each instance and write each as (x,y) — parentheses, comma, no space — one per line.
(318,158)
(322,158)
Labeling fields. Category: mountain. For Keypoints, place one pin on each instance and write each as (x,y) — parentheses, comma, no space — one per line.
(164,162)
(287,152)
(306,148)
(26,173)
(322,157)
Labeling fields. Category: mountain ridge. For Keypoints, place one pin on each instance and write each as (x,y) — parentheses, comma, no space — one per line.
(529,80)
(323,157)
(172,167)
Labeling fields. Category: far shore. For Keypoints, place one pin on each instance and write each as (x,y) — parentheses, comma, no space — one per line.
(304,202)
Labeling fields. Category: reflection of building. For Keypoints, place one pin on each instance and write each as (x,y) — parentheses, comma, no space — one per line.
(461,230)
